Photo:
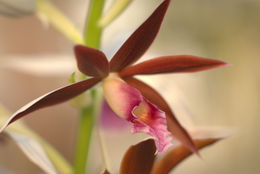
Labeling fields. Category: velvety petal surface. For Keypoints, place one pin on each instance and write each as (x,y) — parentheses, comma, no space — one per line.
(173,125)
(140,40)
(139,158)
(91,62)
(175,156)
(52,98)
(128,103)
(171,64)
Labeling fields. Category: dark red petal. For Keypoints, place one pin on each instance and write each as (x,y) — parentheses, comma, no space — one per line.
(171,64)
(91,62)
(172,123)
(140,40)
(139,158)
(177,155)
(52,98)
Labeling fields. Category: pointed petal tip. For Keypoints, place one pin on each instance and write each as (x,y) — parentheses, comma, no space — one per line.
(226,64)
(213,64)
(138,43)
(175,156)
(5,125)
(219,64)
(91,62)
(3,128)
(139,158)
(223,64)
(77,47)
(197,153)
(192,147)
(200,143)
(207,136)
(172,64)
(57,96)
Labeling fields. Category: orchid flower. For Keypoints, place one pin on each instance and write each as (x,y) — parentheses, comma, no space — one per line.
(133,100)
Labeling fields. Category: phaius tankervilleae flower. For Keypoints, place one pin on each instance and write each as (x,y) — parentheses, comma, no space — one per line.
(128,97)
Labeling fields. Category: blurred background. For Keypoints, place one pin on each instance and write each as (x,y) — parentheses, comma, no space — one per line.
(228,97)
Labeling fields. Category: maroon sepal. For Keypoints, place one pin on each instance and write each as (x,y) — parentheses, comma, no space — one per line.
(91,62)
(140,40)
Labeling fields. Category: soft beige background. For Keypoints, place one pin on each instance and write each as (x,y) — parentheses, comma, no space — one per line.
(228,97)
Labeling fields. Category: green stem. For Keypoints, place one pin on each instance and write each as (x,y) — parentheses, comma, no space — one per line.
(92,39)
(84,136)
(93,31)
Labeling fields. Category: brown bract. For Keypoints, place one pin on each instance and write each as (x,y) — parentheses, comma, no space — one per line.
(94,63)
(175,156)
(141,158)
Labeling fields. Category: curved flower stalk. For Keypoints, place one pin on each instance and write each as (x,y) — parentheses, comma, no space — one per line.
(128,97)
